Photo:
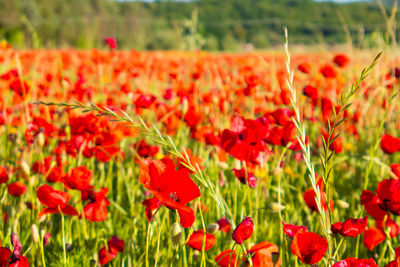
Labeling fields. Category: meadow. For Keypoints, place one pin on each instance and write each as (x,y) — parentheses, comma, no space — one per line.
(128,158)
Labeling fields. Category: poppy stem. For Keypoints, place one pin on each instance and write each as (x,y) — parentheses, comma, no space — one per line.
(42,250)
(147,242)
(159,238)
(63,236)
(248,256)
(230,255)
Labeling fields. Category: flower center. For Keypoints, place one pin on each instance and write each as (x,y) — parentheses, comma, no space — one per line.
(173,196)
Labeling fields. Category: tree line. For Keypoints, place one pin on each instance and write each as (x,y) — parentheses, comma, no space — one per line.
(206,24)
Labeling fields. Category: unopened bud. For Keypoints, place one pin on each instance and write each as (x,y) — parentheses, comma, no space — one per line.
(212,228)
(69,247)
(275,257)
(342,204)
(196,255)
(277,171)
(26,171)
(46,239)
(185,106)
(35,233)
(176,234)
(93,263)
(41,139)
(276,207)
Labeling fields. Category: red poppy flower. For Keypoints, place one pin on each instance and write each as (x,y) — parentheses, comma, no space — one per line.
(311,92)
(373,237)
(13,259)
(55,201)
(196,240)
(55,175)
(244,140)
(389,192)
(328,71)
(390,144)
(79,178)
(326,107)
(173,188)
(243,231)
(145,150)
(396,262)
(309,247)
(13,73)
(227,258)
(193,117)
(96,209)
(387,198)
(304,67)
(262,255)
(111,42)
(20,87)
(241,175)
(194,160)
(351,227)
(151,205)
(353,262)
(390,225)
(144,101)
(290,229)
(42,166)
(224,225)
(341,60)
(282,115)
(309,197)
(336,145)
(115,245)
(372,205)
(16,189)
(3,175)
(396,169)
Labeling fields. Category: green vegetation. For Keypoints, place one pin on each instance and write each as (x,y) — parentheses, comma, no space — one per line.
(227,24)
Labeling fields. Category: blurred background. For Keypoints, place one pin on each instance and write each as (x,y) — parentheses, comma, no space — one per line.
(214,25)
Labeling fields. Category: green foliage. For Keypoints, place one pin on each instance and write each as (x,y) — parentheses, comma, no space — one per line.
(228,23)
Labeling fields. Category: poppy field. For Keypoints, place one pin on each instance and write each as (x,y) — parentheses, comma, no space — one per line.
(127,158)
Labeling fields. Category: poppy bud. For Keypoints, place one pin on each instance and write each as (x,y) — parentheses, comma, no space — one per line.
(277,171)
(93,263)
(276,207)
(69,247)
(176,234)
(41,139)
(342,204)
(243,231)
(46,239)
(26,171)
(3,175)
(275,257)
(185,106)
(221,178)
(35,233)
(196,255)
(212,228)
